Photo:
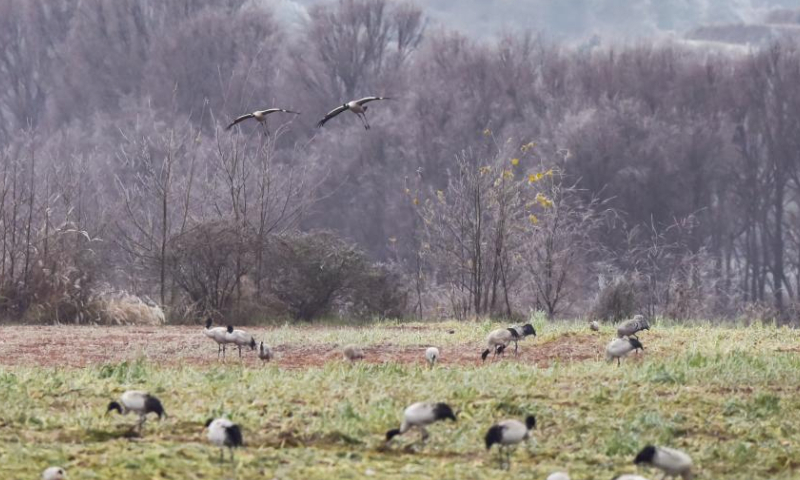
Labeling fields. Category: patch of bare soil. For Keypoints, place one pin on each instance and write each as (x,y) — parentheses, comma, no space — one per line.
(67,346)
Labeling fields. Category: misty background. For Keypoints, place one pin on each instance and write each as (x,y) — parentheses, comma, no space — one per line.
(588,158)
(578,22)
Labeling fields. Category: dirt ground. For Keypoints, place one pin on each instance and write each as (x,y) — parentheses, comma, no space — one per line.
(83,346)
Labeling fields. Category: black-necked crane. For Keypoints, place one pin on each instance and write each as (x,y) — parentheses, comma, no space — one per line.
(508,433)
(631,328)
(54,473)
(674,463)
(138,402)
(353,353)
(224,433)
(432,355)
(218,335)
(500,339)
(356,106)
(265,353)
(558,476)
(260,116)
(420,415)
(240,338)
(621,347)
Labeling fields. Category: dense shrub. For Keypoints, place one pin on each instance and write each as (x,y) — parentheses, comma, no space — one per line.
(616,301)
(314,272)
(208,262)
(383,292)
(124,309)
(58,283)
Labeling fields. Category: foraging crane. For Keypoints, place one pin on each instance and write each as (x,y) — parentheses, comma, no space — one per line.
(137,402)
(504,336)
(265,353)
(224,433)
(419,415)
(432,355)
(260,116)
(620,347)
(632,327)
(355,106)
(674,463)
(508,433)
(218,335)
(240,338)
(353,353)
(497,340)
(54,473)
(558,476)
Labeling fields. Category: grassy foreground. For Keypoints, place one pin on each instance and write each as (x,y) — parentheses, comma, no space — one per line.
(730,397)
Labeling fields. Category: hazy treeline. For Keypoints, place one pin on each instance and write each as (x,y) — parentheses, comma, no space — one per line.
(504,176)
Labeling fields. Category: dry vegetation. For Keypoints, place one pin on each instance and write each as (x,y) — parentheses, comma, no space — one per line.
(729,396)
(510,174)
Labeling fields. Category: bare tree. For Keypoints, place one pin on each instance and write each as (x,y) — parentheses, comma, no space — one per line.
(350,45)
(469,227)
(110,115)
(560,244)
(159,179)
(30,32)
(240,54)
(267,190)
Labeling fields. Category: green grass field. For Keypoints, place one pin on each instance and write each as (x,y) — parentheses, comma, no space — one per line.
(730,397)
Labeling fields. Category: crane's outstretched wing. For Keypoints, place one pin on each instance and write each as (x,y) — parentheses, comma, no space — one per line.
(331,114)
(273,110)
(371,99)
(240,119)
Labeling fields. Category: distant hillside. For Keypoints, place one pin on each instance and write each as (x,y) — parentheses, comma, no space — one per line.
(784,16)
(781,23)
(580,20)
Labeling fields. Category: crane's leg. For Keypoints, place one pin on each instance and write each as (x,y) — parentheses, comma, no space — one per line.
(516,347)
(366,122)
(363,123)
